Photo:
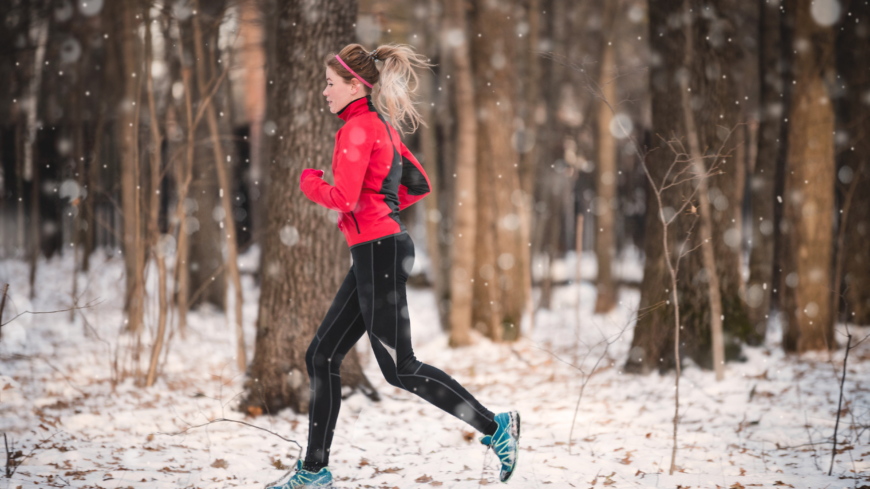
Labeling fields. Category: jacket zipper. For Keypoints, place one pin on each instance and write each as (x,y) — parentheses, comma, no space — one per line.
(354,221)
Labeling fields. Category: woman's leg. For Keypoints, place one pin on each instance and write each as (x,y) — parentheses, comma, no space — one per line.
(382,269)
(339,331)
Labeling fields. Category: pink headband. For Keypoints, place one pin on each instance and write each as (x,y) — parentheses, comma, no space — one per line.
(352,72)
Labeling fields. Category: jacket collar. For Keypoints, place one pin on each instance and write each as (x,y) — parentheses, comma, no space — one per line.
(355,108)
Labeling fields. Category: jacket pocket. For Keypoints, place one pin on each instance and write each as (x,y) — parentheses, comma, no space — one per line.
(355,223)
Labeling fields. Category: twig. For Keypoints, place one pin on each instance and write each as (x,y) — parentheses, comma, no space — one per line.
(840,403)
(231,421)
(3,301)
(86,306)
(10,457)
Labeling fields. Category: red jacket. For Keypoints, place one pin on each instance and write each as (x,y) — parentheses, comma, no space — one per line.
(375,176)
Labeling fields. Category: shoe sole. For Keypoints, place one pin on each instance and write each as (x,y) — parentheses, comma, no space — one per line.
(515,426)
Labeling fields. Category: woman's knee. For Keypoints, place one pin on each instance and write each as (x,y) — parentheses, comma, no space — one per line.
(309,355)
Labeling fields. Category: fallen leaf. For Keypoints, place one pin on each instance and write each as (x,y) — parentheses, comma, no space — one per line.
(736,485)
(468,436)
(220,464)
(423,478)
(255,411)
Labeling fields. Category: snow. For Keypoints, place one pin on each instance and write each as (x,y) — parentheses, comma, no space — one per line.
(56,390)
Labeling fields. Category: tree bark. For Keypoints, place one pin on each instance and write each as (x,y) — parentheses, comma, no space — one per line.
(700,168)
(31,166)
(853,56)
(463,262)
(300,272)
(605,174)
(809,190)
(89,209)
(226,190)
(761,263)
(154,241)
(206,266)
(500,286)
(712,100)
(252,32)
(430,22)
(183,178)
(525,143)
(130,64)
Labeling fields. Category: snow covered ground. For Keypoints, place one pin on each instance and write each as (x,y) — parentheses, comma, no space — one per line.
(768,424)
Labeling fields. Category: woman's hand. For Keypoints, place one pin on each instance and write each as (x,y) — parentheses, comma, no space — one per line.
(309,171)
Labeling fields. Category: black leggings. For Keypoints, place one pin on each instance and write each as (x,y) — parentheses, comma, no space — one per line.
(372,300)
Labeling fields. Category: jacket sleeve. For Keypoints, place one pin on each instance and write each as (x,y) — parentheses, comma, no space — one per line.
(350,161)
(414,184)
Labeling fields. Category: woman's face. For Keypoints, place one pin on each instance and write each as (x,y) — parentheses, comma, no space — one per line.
(339,93)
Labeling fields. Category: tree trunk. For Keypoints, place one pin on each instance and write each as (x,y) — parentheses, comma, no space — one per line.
(183,178)
(90,217)
(853,56)
(463,263)
(158,249)
(430,23)
(226,190)
(701,170)
(809,191)
(499,254)
(130,64)
(206,267)
(761,264)
(605,174)
(252,31)
(300,271)
(446,120)
(31,166)
(530,97)
(713,102)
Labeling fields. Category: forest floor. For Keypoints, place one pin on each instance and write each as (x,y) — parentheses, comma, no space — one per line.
(769,423)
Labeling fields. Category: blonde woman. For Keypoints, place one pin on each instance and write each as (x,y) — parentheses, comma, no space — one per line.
(375,177)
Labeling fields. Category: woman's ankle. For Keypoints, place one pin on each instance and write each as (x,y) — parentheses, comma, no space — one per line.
(313,467)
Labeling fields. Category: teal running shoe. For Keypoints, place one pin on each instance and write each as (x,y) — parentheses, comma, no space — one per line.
(303,478)
(505,442)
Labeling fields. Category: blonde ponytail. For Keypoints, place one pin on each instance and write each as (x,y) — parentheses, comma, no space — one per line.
(393,84)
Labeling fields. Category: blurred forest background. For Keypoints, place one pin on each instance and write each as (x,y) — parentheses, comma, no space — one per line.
(723,143)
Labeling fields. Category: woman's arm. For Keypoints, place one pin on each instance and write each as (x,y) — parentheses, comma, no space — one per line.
(351,160)
(415,183)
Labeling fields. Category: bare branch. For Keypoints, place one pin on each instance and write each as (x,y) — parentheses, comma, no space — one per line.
(86,306)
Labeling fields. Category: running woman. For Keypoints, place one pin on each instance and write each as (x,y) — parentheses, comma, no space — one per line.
(375,177)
